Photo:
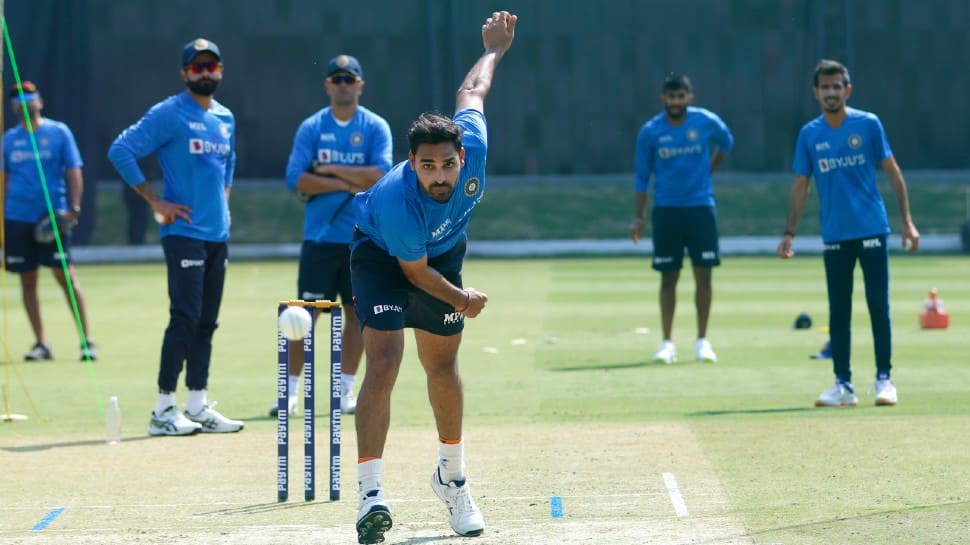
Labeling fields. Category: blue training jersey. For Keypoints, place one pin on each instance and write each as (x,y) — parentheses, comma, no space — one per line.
(404,221)
(843,163)
(58,153)
(196,150)
(365,140)
(679,157)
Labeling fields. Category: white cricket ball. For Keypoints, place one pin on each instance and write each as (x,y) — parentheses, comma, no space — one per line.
(159,218)
(294,323)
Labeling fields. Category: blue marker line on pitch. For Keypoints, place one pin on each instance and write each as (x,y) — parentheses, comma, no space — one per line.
(48,519)
(555,507)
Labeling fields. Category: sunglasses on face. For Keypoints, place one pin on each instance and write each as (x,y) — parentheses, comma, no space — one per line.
(349,79)
(197,68)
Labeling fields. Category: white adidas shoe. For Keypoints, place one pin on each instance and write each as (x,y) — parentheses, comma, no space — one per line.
(213,422)
(841,394)
(348,403)
(886,392)
(293,407)
(667,353)
(465,517)
(704,352)
(373,518)
(172,422)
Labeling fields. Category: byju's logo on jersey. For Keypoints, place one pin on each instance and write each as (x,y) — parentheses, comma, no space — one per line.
(828,164)
(340,157)
(671,152)
(472,186)
(855,141)
(199,146)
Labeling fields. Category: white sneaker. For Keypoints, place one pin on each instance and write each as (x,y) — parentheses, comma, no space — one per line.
(465,517)
(171,422)
(373,518)
(213,422)
(348,403)
(667,353)
(293,407)
(841,394)
(886,392)
(704,352)
(39,351)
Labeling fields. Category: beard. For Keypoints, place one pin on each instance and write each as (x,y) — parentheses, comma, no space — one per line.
(203,86)
(440,192)
(676,112)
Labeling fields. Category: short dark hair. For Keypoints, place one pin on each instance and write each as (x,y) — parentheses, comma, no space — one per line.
(828,67)
(433,128)
(26,86)
(676,82)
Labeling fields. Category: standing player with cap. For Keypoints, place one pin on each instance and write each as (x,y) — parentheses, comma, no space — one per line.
(338,151)
(406,267)
(24,209)
(193,137)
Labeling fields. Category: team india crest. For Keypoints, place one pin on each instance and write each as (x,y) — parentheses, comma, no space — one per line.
(472,186)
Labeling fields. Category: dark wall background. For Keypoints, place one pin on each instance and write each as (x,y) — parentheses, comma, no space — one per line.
(568,99)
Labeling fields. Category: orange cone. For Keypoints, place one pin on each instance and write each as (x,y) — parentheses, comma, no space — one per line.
(934,316)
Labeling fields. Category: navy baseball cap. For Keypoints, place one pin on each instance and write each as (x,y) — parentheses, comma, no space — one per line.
(196,46)
(344,63)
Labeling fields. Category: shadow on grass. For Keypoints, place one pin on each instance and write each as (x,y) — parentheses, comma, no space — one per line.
(633,365)
(877,514)
(753,411)
(260,508)
(71,444)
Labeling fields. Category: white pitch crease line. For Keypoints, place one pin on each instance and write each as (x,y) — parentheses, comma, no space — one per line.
(673,490)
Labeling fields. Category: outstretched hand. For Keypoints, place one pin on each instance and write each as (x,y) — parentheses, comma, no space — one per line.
(499,31)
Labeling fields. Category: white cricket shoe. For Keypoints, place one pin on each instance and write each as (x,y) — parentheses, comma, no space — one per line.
(667,353)
(465,517)
(841,394)
(213,422)
(293,407)
(348,403)
(38,352)
(704,352)
(172,422)
(373,518)
(886,392)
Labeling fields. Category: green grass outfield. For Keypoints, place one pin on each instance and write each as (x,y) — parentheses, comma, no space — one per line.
(560,400)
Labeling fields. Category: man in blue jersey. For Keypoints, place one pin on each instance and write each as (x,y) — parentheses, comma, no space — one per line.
(681,147)
(338,152)
(193,137)
(24,209)
(840,149)
(406,268)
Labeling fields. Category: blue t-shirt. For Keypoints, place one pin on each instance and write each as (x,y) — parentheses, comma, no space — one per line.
(843,163)
(58,153)
(196,150)
(679,157)
(401,219)
(365,140)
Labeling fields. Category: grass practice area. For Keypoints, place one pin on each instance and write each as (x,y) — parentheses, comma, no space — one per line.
(573,207)
(560,402)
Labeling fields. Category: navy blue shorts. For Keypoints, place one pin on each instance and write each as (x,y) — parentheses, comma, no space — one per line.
(24,254)
(691,227)
(384,298)
(324,272)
